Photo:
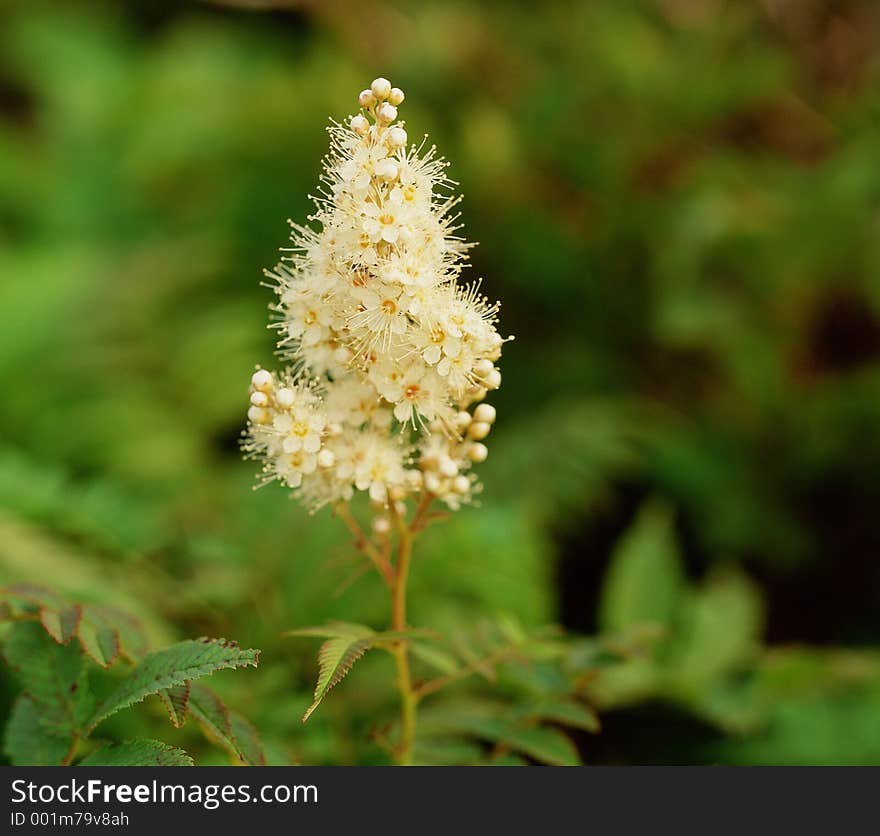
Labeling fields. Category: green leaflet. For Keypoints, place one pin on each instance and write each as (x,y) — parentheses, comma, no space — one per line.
(100,643)
(335,660)
(226,727)
(569,713)
(61,624)
(172,666)
(543,744)
(176,702)
(103,631)
(26,742)
(345,644)
(52,675)
(138,753)
(645,577)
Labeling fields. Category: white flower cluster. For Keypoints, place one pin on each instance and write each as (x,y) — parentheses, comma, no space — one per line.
(388,350)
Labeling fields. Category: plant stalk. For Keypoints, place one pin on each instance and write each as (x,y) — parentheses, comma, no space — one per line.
(408,698)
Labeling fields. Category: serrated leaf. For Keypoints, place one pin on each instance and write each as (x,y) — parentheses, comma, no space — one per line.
(213,716)
(176,702)
(26,742)
(345,629)
(540,743)
(335,659)
(248,739)
(566,713)
(333,630)
(172,666)
(138,753)
(100,643)
(61,624)
(130,637)
(33,594)
(645,578)
(226,727)
(53,676)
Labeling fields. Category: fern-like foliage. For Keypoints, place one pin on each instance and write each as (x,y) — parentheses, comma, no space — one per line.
(50,644)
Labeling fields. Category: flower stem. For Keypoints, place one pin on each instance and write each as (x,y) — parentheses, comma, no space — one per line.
(408,699)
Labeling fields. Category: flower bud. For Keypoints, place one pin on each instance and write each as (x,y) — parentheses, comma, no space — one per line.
(448,468)
(381,88)
(485,412)
(259,398)
(397,493)
(284,397)
(326,458)
(381,525)
(432,483)
(478,452)
(386,112)
(258,415)
(461,484)
(397,137)
(359,125)
(262,380)
(462,419)
(396,96)
(493,379)
(479,430)
(483,367)
(366,98)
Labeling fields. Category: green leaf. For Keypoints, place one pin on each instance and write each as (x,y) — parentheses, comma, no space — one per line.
(645,577)
(61,624)
(225,727)
(250,747)
(576,715)
(543,744)
(106,620)
(176,702)
(26,742)
(32,594)
(52,675)
(172,666)
(138,753)
(333,630)
(721,631)
(446,751)
(335,660)
(100,643)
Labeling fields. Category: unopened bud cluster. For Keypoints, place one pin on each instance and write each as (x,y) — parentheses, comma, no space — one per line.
(389,352)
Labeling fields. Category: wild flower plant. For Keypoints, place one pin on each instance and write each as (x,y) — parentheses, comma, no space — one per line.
(390,357)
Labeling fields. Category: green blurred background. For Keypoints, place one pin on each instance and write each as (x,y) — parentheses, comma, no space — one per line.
(678,202)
